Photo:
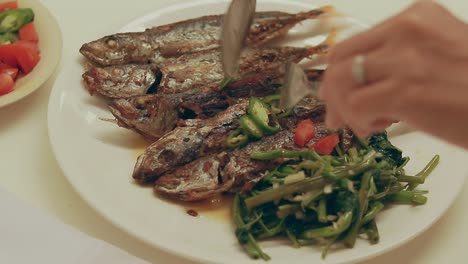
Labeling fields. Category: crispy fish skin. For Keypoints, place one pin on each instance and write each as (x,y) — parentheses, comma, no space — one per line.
(184,144)
(204,69)
(121,81)
(147,114)
(197,180)
(194,35)
(152,116)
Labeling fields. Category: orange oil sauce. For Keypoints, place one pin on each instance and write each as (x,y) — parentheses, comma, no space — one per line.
(217,208)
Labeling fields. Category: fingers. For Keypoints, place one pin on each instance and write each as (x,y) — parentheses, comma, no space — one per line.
(337,83)
(373,108)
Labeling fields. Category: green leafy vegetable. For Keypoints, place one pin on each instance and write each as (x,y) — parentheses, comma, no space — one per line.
(322,200)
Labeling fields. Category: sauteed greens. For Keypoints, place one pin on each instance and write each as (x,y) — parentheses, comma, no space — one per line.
(326,199)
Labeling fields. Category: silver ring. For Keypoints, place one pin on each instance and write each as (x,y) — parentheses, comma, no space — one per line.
(358,69)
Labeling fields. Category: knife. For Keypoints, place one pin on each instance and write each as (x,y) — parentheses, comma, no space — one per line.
(296,86)
(237,22)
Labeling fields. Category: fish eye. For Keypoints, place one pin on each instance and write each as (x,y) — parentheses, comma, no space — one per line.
(112,43)
(117,71)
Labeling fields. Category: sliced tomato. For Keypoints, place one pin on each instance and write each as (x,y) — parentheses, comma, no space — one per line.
(326,145)
(28,33)
(24,54)
(7,55)
(7,84)
(8,5)
(27,55)
(4,66)
(13,72)
(305,131)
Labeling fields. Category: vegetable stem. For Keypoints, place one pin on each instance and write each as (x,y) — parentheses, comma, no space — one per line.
(245,238)
(284,190)
(408,197)
(322,211)
(344,221)
(372,232)
(372,212)
(425,172)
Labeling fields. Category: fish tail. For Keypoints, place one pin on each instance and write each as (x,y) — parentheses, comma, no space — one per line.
(325,11)
(324,47)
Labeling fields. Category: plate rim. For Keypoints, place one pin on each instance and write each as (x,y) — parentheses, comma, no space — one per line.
(160,245)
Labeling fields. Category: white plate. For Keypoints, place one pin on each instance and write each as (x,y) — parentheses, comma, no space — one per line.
(98,158)
(50,45)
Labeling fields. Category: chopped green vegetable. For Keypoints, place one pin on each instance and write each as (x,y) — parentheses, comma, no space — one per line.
(12,20)
(244,236)
(8,38)
(262,117)
(425,173)
(344,221)
(250,127)
(372,232)
(237,139)
(389,152)
(271,98)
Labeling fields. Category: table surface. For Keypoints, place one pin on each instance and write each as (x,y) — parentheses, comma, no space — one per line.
(32,173)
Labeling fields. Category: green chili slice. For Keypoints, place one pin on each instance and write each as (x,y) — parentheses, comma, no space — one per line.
(14,19)
(237,139)
(250,127)
(262,116)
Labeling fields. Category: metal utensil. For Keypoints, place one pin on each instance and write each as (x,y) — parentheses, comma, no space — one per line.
(236,26)
(296,86)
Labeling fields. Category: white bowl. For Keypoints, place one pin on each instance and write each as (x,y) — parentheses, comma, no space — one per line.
(50,45)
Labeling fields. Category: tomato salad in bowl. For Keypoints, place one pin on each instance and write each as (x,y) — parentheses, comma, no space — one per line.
(19,49)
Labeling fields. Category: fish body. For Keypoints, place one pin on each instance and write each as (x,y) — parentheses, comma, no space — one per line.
(222,172)
(157,44)
(185,144)
(121,81)
(148,115)
(204,69)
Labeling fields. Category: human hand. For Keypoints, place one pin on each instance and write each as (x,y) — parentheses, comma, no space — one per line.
(416,70)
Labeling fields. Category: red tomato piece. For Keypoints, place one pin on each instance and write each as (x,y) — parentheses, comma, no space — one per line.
(27,55)
(24,54)
(4,66)
(7,55)
(305,131)
(8,5)
(13,72)
(28,33)
(7,84)
(326,145)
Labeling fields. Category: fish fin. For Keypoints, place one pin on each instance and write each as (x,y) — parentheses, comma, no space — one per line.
(110,120)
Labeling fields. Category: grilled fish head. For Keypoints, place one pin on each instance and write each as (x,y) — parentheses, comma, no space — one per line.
(176,148)
(199,180)
(151,116)
(119,49)
(187,143)
(121,81)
